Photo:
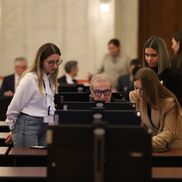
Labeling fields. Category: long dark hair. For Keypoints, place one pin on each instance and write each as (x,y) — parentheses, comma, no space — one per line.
(159,45)
(154,91)
(178,37)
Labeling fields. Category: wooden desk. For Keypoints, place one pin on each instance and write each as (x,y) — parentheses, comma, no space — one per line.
(28,157)
(166,174)
(26,151)
(172,158)
(8,174)
(3,150)
(161,174)
(3,135)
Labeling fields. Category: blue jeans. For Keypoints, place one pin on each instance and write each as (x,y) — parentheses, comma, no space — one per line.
(29,131)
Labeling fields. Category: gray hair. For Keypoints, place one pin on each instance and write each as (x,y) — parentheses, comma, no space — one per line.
(20,59)
(70,65)
(100,77)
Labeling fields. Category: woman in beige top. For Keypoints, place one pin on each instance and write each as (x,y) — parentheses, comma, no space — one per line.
(160,110)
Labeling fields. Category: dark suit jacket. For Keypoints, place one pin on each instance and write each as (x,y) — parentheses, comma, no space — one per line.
(62,80)
(8,84)
(176,61)
(125,85)
(172,79)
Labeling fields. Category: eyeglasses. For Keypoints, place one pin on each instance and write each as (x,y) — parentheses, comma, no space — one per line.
(52,63)
(22,67)
(98,93)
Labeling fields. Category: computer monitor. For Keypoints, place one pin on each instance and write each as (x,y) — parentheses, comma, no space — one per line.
(115,117)
(118,96)
(73,88)
(82,153)
(71,97)
(99,104)
(4,103)
(82,97)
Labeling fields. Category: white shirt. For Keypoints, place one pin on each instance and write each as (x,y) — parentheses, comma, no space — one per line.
(69,79)
(28,99)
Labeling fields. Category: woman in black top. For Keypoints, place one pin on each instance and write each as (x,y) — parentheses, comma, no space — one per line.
(156,57)
(177,48)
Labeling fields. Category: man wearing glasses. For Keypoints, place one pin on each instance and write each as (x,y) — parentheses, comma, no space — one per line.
(100,88)
(10,82)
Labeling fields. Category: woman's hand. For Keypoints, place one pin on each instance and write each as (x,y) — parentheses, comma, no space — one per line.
(9,138)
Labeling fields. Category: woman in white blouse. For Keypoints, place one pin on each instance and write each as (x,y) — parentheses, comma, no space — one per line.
(32,106)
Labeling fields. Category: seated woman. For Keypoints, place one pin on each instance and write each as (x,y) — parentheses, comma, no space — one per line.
(160,110)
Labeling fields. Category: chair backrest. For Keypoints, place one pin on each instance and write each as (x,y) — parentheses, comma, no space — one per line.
(71,97)
(115,117)
(4,103)
(75,150)
(90,105)
(73,88)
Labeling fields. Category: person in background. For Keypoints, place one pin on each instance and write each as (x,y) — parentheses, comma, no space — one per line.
(10,82)
(71,70)
(177,48)
(115,63)
(32,106)
(160,110)
(100,88)
(125,82)
(156,57)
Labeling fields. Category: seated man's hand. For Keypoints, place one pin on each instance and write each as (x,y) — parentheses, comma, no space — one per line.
(8,93)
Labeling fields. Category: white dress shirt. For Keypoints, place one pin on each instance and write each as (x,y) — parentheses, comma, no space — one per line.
(69,79)
(28,99)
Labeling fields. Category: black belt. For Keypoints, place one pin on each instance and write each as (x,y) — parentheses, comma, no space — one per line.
(31,116)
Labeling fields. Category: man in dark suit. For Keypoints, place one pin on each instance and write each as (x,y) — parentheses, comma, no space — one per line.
(10,82)
(71,71)
(126,81)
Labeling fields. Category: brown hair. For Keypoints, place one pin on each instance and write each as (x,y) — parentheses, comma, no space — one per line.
(159,45)
(178,37)
(153,90)
(37,67)
(115,42)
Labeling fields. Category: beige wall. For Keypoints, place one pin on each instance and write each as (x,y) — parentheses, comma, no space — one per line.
(76,26)
(126,25)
